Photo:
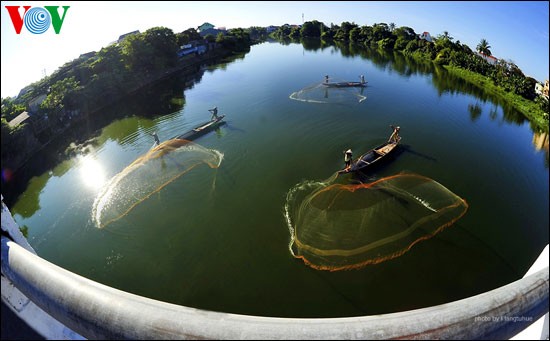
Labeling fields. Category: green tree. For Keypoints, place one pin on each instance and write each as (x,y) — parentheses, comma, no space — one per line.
(342,33)
(109,59)
(62,94)
(10,109)
(446,36)
(312,29)
(404,36)
(483,47)
(151,50)
(187,36)
(294,33)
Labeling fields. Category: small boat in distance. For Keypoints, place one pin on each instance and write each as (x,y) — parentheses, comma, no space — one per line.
(374,156)
(361,83)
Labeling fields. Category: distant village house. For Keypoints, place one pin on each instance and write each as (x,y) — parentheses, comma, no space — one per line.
(204,27)
(489,59)
(542,90)
(20,119)
(426,36)
(121,38)
(207,28)
(88,55)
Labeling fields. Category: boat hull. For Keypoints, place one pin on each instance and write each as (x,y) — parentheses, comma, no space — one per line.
(201,129)
(372,158)
(345,85)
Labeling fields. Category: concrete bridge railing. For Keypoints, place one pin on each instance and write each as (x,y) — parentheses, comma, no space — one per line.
(81,308)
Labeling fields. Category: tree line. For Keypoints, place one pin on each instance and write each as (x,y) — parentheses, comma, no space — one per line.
(97,79)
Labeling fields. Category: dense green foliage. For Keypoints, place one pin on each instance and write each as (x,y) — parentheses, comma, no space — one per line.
(86,84)
(10,109)
(97,79)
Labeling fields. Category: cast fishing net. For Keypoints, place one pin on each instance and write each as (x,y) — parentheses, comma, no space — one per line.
(148,175)
(345,226)
(319,93)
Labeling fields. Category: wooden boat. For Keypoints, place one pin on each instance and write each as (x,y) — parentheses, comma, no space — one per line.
(361,83)
(201,129)
(372,157)
(344,84)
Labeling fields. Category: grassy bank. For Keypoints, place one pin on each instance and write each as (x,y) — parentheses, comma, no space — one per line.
(529,109)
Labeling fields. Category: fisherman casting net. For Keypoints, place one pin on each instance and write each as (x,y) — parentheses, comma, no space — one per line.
(345,226)
(148,175)
(320,93)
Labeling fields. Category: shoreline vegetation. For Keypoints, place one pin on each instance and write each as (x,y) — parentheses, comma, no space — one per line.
(80,89)
(529,109)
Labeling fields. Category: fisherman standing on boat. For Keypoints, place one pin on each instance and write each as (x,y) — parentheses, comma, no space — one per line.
(156,137)
(326,79)
(395,135)
(348,155)
(214,112)
(362,79)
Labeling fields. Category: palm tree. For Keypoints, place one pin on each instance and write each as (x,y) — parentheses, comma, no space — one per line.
(483,47)
(447,36)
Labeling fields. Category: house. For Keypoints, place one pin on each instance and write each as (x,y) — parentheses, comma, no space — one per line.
(489,59)
(204,27)
(121,38)
(22,117)
(208,31)
(34,103)
(87,55)
(271,29)
(190,48)
(426,36)
(542,90)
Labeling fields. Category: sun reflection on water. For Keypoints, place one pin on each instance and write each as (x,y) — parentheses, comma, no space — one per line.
(91,172)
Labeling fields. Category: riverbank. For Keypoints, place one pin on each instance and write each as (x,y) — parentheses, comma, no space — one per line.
(50,145)
(529,109)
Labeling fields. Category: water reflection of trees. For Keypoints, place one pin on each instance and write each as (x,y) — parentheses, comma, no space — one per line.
(540,141)
(443,81)
(475,111)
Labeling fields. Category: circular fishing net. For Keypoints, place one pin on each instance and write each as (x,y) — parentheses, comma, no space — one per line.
(319,93)
(148,175)
(345,226)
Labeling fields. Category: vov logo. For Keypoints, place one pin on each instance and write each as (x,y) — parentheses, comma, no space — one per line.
(37,20)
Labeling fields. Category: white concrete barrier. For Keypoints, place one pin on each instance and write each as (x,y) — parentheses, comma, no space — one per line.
(97,311)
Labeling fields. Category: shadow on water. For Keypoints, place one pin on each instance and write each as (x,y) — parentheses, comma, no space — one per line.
(229,125)
(404,148)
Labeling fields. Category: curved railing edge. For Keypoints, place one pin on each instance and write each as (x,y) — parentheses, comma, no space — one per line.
(97,311)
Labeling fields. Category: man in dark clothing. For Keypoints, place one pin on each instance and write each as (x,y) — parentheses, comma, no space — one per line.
(214,112)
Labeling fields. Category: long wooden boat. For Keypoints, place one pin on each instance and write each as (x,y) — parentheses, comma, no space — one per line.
(201,129)
(372,157)
(344,84)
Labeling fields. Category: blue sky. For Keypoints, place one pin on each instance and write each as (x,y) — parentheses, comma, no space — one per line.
(517,31)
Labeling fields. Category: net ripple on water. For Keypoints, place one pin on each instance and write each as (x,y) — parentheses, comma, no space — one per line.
(337,226)
(147,175)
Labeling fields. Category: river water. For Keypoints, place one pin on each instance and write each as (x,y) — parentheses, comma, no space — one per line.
(217,238)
